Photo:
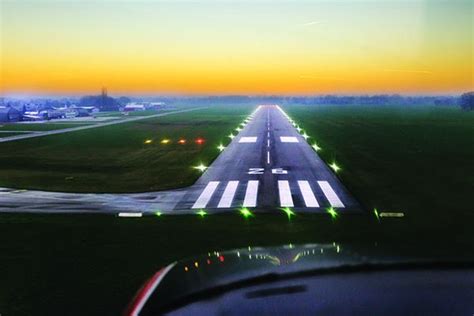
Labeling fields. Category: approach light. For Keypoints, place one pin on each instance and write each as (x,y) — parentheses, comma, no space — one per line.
(245,212)
(199,141)
(201,168)
(221,147)
(148,141)
(316,147)
(332,212)
(288,212)
(182,141)
(334,166)
(165,141)
(201,213)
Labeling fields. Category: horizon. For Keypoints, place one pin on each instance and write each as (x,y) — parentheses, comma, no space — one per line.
(211,47)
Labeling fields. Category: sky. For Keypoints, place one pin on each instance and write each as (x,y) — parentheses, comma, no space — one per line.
(217,47)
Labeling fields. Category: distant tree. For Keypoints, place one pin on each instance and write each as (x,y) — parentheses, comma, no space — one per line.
(467,101)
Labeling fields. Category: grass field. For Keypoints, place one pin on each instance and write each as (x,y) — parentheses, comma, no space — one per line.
(116,158)
(415,160)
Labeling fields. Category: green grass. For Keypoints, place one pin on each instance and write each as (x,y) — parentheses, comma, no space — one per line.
(415,160)
(418,161)
(116,159)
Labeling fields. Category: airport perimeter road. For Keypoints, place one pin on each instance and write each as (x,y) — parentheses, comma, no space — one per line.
(79,128)
(268,166)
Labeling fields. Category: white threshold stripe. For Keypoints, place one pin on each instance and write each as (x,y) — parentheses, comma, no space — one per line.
(206,195)
(330,194)
(158,277)
(285,193)
(228,195)
(288,139)
(251,193)
(308,195)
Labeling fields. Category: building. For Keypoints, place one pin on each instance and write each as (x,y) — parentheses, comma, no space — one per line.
(133,106)
(9,114)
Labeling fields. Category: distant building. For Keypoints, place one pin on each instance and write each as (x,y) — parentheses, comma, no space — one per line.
(133,106)
(9,114)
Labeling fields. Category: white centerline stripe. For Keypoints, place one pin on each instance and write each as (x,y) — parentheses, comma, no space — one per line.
(285,193)
(330,194)
(228,195)
(250,199)
(268,134)
(308,195)
(206,194)
(268,143)
(268,157)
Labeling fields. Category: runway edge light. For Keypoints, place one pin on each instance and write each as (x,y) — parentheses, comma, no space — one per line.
(288,212)
(245,212)
(331,211)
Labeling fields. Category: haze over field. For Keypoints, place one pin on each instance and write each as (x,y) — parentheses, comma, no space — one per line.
(236,47)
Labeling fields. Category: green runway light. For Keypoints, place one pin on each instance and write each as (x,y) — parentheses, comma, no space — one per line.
(238,129)
(288,212)
(316,147)
(305,136)
(299,129)
(221,147)
(334,166)
(201,168)
(158,214)
(376,213)
(332,212)
(245,212)
(231,136)
(201,213)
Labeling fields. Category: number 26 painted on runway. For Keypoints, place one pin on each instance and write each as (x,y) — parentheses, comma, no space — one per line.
(256,171)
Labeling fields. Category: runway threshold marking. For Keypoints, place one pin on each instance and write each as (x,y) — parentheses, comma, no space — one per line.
(228,195)
(330,194)
(250,199)
(206,195)
(308,195)
(248,139)
(288,139)
(285,194)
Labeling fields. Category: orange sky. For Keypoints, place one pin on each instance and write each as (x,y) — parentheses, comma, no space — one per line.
(215,47)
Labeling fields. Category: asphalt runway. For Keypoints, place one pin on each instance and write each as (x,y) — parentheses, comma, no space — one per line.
(268,165)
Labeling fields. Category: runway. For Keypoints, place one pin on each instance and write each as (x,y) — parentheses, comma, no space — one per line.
(267,166)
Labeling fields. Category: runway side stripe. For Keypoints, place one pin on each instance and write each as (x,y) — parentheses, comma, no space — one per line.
(330,194)
(206,194)
(285,194)
(251,193)
(228,195)
(308,195)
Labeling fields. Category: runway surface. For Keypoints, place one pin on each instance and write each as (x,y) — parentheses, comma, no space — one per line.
(268,165)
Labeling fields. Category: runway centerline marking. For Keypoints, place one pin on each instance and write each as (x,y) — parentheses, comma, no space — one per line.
(268,157)
(206,195)
(228,195)
(308,195)
(250,199)
(268,143)
(285,194)
(330,194)
(289,139)
(248,139)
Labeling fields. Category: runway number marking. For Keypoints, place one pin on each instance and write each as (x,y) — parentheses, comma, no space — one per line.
(256,171)
(206,195)
(279,171)
(288,139)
